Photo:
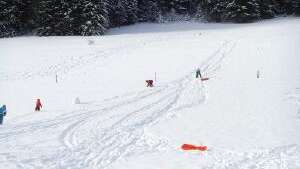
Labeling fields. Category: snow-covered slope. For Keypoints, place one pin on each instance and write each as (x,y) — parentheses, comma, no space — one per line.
(246,122)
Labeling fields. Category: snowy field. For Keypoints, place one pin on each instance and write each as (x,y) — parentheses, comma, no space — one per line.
(246,122)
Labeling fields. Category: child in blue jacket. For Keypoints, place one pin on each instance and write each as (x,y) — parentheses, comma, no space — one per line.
(2,113)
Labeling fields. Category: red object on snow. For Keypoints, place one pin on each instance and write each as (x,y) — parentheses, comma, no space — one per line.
(204,78)
(193,147)
(149,83)
(38,105)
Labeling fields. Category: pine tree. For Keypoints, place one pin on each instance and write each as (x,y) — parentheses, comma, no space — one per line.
(73,17)
(88,17)
(148,10)
(289,9)
(181,6)
(214,10)
(131,8)
(7,14)
(53,18)
(199,14)
(164,6)
(282,7)
(178,6)
(242,11)
(193,6)
(296,7)
(111,7)
(123,12)
(266,9)
(93,17)
(12,17)
(118,15)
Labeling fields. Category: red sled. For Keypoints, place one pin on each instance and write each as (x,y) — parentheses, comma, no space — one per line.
(204,79)
(193,147)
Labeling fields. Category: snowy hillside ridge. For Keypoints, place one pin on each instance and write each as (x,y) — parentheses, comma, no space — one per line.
(98,113)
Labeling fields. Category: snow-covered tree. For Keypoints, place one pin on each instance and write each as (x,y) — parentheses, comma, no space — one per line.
(182,6)
(242,11)
(73,17)
(214,10)
(164,6)
(131,7)
(282,7)
(53,18)
(296,7)
(13,20)
(178,6)
(117,13)
(148,10)
(93,17)
(88,17)
(123,12)
(266,9)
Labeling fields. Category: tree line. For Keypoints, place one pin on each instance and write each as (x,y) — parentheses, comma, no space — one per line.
(94,17)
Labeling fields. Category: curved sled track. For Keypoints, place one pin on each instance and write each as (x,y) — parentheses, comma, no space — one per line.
(112,129)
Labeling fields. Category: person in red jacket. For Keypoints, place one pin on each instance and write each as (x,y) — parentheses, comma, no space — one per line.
(38,105)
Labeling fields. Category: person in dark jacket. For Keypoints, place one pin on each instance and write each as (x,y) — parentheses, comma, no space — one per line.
(2,113)
(149,83)
(198,73)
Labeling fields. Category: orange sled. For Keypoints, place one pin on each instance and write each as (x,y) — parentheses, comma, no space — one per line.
(193,147)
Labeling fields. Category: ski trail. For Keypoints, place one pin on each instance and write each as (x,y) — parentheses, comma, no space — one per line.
(126,131)
(120,138)
(109,130)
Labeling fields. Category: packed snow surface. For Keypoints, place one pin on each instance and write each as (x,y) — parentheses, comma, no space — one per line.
(98,113)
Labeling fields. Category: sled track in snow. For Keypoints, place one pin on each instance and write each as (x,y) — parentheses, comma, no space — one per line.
(126,131)
(124,136)
(113,129)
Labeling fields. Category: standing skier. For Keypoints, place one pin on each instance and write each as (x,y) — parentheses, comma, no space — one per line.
(198,73)
(38,105)
(2,113)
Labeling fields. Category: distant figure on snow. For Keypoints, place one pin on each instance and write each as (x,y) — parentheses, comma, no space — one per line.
(257,74)
(38,105)
(77,100)
(149,83)
(2,113)
(198,73)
